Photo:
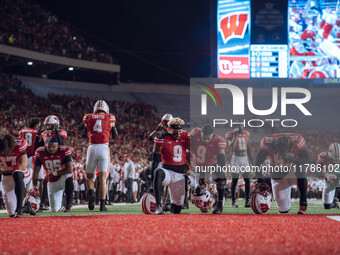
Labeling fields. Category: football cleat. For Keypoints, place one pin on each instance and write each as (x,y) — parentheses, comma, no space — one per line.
(67,208)
(159,210)
(18,214)
(148,203)
(218,209)
(302,210)
(247,204)
(167,206)
(103,208)
(234,205)
(92,200)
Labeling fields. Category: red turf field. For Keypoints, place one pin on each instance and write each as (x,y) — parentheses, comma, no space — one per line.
(170,234)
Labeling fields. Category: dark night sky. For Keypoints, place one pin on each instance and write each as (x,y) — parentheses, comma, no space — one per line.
(172,34)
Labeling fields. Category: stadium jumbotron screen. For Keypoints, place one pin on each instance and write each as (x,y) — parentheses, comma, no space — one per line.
(278,39)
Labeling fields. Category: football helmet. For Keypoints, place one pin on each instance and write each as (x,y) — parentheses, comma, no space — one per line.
(167,117)
(34,193)
(203,199)
(34,201)
(148,203)
(51,121)
(261,200)
(101,105)
(334,151)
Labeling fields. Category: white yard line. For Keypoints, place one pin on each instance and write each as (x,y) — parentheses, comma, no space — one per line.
(337,218)
(85,206)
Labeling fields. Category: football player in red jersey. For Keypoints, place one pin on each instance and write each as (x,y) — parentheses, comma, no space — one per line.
(99,124)
(331,160)
(238,142)
(57,162)
(13,163)
(162,128)
(286,150)
(29,135)
(52,129)
(171,150)
(208,149)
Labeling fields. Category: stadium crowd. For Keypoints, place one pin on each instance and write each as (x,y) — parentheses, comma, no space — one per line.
(135,121)
(29,26)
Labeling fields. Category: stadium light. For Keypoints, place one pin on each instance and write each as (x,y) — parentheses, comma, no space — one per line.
(30,63)
(70,68)
(74,38)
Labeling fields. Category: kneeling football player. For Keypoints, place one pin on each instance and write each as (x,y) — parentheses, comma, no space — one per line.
(330,159)
(286,149)
(57,161)
(171,150)
(13,163)
(208,149)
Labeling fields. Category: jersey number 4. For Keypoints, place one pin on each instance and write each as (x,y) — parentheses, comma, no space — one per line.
(98,126)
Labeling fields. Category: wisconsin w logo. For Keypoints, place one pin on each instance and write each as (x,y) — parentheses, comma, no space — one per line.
(234,25)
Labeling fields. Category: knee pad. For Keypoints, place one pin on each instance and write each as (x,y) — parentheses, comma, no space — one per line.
(176,209)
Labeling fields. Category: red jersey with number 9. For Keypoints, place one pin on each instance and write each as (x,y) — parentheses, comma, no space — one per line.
(205,154)
(29,135)
(99,127)
(174,151)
